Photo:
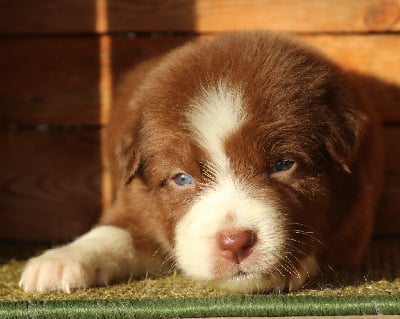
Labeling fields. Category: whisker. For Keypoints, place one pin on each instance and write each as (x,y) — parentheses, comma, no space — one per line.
(168,260)
(284,267)
(292,267)
(276,269)
(301,264)
(296,249)
(299,242)
(310,235)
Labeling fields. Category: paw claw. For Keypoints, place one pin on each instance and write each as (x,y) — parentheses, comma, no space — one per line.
(55,270)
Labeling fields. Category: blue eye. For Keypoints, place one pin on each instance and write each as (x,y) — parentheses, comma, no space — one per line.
(183,179)
(282,165)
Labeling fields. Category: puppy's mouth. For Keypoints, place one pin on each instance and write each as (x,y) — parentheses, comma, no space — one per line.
(240,276)
(242,282)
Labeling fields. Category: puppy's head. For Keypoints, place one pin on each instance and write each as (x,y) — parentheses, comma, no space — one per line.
(241,141)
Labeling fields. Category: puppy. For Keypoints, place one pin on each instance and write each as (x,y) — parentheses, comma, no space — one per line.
(245,161)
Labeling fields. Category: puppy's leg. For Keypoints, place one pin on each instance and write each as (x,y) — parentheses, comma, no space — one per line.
(104,254)
(307,269)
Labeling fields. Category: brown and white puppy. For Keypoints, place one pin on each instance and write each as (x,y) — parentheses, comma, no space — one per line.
(244,160)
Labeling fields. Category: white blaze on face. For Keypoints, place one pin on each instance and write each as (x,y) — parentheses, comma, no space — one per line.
(217,113)
(228,203)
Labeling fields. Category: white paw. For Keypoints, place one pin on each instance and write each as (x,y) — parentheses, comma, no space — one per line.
(102,255)
(63,269)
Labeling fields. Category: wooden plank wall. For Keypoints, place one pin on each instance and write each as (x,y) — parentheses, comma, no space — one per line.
(60,62)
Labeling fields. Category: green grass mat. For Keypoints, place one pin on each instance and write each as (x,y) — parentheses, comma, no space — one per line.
(239,306)
(374,290)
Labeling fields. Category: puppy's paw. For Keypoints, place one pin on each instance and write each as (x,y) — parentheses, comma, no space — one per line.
(60,269)
(308,269)
(102,255)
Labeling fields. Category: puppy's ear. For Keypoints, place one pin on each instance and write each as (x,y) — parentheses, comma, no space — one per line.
(128,154)
(347,125)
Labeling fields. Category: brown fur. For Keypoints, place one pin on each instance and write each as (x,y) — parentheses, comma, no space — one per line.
(302,106)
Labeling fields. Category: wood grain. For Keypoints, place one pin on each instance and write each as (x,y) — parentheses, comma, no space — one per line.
(82,16)
(47,17)
(57,80)
(49,81)
(51,183)
(373,55)
(376,59)
(297,16)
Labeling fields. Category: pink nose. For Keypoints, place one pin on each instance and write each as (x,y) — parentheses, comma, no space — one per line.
(235,244)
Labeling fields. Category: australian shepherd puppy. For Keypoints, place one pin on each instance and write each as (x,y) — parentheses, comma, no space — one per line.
(245,160)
